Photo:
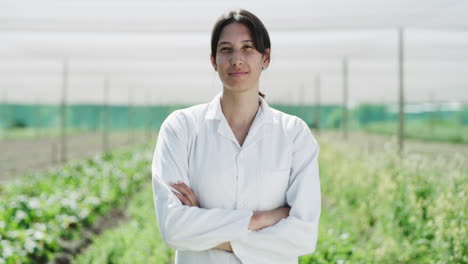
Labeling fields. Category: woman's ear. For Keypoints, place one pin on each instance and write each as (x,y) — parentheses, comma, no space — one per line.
(213,62)
(266,58)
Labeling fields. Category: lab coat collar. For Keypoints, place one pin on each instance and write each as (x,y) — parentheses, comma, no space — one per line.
(214,109)
(258,129)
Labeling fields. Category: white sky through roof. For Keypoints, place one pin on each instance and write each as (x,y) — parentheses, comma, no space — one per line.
(160,49)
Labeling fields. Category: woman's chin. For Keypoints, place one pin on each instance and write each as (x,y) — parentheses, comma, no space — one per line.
(238,87)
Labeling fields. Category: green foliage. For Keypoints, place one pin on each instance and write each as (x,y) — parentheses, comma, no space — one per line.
(136,241)
(367,113)
(380,209)
(39,210)
(462,116)
(335,119)
(375,209)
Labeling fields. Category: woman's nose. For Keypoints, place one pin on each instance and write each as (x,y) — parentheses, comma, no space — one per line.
(236,58)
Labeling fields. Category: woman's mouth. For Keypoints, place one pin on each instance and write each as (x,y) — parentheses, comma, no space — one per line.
(237,74)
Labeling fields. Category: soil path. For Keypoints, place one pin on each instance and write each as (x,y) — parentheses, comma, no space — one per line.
(19,157)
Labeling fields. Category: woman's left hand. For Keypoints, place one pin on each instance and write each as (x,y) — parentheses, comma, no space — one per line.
(186,196)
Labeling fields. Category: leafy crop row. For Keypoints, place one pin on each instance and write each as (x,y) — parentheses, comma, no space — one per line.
(38,212)
(144,245)
(376,208)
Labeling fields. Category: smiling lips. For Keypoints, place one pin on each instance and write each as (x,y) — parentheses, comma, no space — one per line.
(237,73)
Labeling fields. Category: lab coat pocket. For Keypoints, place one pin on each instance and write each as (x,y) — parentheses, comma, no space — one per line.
(274,185)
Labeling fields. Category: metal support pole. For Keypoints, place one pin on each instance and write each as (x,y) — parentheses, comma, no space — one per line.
(148,110)
(157,106)
(63,119)
(317,102)
(105,118)
(130,116)
(401,98)
(6,115)
(345,98)
(302,102)
(37,118)
(432,113)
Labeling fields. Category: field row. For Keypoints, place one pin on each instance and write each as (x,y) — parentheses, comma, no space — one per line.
(423,130)
(25,156)
(39,214)
(377,208)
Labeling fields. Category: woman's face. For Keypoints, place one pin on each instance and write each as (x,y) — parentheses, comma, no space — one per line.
(238,63)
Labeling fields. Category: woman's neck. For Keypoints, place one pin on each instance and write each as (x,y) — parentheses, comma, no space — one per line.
(240,108)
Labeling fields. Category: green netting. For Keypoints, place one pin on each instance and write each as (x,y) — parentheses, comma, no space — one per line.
(91,117)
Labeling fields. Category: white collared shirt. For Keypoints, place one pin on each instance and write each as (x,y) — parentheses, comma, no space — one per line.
(275,167)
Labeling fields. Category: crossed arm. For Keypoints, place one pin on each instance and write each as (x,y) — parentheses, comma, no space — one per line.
(259,220)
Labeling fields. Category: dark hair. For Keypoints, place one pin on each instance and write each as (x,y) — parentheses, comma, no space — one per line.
(259,33)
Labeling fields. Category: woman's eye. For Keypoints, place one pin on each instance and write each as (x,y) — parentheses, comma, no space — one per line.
(224,49)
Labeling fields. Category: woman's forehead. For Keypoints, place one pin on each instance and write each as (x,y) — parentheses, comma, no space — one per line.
(235,32)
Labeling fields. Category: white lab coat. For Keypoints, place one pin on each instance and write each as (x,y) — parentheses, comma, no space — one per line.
(276,166)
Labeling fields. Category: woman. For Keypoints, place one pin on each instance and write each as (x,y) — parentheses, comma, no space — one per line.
(235,181)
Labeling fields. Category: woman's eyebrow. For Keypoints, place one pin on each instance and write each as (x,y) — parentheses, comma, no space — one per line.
(227,42)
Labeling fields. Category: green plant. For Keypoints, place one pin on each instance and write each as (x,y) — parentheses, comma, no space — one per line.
(39,210)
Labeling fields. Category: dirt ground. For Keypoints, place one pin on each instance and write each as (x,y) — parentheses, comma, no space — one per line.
(19,157)
(374,144)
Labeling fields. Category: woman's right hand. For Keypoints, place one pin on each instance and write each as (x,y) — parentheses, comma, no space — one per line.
(262,219)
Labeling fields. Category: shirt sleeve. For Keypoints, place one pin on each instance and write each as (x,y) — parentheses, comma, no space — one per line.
(183,227)
(297,234)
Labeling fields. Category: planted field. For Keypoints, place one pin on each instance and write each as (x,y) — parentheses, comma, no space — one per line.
(424,130)
(376,209)
(22,156)
(41,215)
(137,241)
(35,133)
